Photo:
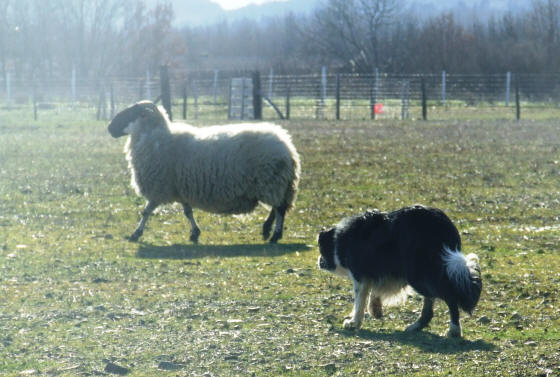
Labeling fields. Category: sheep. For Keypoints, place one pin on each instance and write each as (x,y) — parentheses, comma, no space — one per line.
(227,169)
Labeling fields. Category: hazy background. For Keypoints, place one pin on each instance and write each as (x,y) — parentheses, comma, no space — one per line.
(115,38)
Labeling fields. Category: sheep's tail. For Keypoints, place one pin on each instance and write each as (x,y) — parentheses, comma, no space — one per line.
(464,274)
(291,191)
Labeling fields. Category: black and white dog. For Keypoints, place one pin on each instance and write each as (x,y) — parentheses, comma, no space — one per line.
(384,253)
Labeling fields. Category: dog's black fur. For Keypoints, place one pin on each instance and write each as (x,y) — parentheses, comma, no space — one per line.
(384,252)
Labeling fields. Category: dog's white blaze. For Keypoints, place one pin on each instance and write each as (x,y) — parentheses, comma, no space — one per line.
(340,271)
(459,267)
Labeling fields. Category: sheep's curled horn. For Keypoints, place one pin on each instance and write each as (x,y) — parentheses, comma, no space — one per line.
(128,115)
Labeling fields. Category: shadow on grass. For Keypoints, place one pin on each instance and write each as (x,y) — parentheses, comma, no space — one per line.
(181,251)
(423,340)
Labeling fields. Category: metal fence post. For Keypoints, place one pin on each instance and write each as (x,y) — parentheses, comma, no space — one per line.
(508,87)
(8,90)
(73,83)
(257,96)
(165,90)
(443,88)
(424,99)
(338,96)
(517,102)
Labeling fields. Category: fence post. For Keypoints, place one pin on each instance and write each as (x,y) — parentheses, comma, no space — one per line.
(404,100)
(8,90)
(443,88)
(338,96)
(229,98)
(165,90)
(195,90)
(270,80)
(73,87)
(517,102)
(148,89)
(323,84)
(374,93)
(257,96)
(215,85)
(34,100)
(508,87)
(424,100)
(112,94)
(185,100)
(288,94)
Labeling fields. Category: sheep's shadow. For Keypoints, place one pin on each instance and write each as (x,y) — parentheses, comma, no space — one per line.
(182,251)
(424,340)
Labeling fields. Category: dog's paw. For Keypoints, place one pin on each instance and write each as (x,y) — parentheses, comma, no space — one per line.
(350,324)
(454,331)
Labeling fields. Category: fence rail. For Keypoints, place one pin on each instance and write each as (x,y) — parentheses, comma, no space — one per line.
(303,96)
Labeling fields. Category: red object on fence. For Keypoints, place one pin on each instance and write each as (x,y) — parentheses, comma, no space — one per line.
(378,108)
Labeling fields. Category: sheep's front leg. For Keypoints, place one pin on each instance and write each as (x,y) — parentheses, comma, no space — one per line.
(195,230)
(361,291)
(150,207)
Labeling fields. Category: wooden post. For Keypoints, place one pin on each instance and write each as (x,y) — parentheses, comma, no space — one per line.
(508,86)
(195,94)
(229,99)
(185,100)
(112,98)
(288,90)
(517,102)
(73,84)
(257,96)
(165,90)
(424,100)
(34,101)
(338,96)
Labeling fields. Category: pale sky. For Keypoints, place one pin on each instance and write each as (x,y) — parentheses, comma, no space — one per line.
(234,4)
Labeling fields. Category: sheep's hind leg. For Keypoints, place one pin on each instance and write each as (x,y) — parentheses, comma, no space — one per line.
(267,226)
(280,212)
(150,207)
(195,230)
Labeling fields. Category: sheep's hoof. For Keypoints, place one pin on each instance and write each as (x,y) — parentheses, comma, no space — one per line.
(266,234)
(135,236)
(194,235)
(275,237)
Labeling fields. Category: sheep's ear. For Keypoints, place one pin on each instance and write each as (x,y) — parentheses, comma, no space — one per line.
(124,118)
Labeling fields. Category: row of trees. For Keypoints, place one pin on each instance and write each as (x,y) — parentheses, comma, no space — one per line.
(102,38)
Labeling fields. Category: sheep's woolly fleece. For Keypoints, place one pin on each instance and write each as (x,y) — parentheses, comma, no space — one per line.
(221,169)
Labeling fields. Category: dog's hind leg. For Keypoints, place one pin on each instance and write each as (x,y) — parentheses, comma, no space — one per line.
(375,307)
(425,317)
(361,291)
(454,325)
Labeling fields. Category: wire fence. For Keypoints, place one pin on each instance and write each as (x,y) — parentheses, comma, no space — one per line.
(216,96)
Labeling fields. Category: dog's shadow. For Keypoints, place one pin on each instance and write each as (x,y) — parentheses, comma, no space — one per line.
(182,251)
(424,340)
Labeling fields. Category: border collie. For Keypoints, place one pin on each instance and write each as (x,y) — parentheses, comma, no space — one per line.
(384,253)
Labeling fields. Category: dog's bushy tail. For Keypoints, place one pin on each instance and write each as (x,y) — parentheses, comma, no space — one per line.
(464,273)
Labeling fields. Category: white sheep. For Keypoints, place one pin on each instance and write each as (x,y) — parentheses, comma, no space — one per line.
(226,169)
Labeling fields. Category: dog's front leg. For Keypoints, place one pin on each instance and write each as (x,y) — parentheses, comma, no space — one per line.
(361,291)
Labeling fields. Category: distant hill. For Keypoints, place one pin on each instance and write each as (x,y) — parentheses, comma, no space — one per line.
(205,12)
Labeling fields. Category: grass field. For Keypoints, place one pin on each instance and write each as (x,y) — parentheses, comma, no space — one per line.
(76,298)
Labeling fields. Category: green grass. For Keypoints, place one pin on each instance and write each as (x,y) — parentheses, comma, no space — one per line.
(75,296)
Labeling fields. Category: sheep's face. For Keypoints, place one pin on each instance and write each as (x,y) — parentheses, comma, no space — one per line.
(145,111)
